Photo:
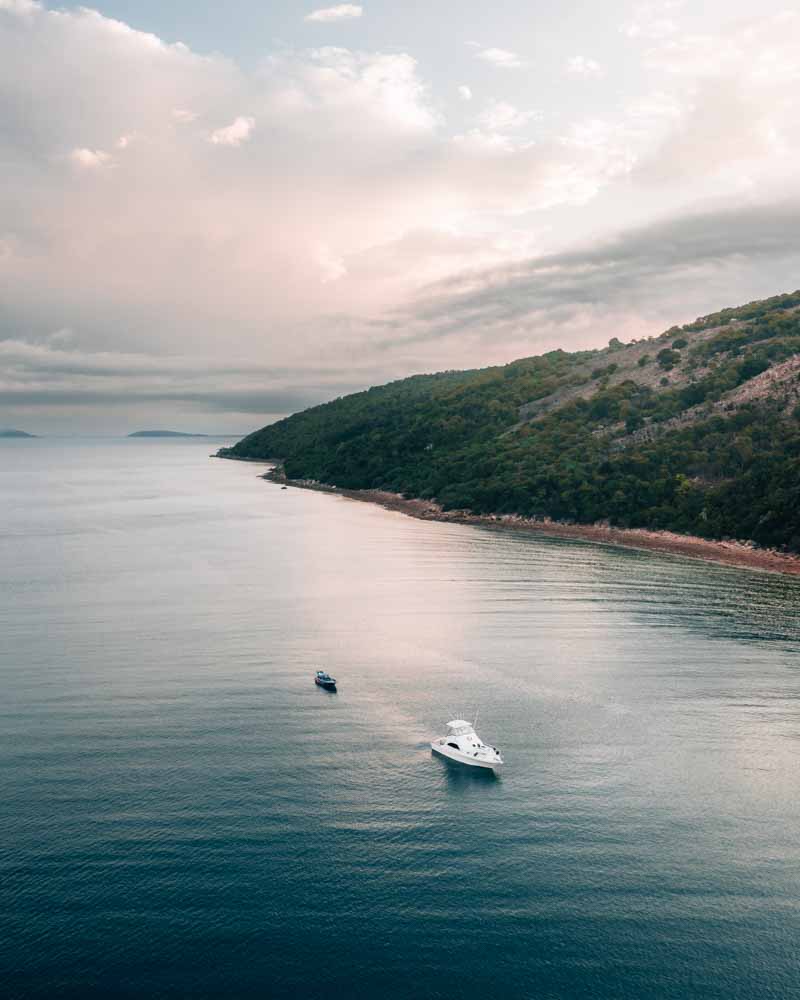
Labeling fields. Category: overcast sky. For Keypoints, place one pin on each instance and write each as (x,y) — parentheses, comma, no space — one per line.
(214,215)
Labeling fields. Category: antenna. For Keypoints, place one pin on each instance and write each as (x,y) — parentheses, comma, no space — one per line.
(475,723)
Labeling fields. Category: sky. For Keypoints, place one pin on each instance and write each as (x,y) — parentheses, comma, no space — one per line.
(212,215)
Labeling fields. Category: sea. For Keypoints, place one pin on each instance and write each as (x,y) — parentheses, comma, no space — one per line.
(183,813)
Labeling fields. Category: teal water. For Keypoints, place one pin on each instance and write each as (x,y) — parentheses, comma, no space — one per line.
(183,814)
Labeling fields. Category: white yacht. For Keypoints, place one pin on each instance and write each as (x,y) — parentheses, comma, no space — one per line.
(462,744)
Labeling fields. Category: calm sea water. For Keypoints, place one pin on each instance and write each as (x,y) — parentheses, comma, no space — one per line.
(184,814)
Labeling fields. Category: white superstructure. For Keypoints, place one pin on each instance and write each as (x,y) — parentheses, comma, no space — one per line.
(462,744)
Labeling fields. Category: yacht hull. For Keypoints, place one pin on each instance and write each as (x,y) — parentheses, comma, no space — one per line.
(461,758)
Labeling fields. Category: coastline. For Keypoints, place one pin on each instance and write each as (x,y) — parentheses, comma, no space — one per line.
(730,553)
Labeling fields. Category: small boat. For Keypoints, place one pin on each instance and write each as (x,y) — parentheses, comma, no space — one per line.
(324,680)
(463,745)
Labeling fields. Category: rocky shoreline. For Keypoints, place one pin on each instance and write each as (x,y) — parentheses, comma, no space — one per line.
(731,553)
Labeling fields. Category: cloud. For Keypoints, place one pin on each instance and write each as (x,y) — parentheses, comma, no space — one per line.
(353,228)
(733,121)
(588,68)
(764,49)
(377,93)
(261,403)
(501,58)
(90,159)
(500,116)
(184,116)
(465,92)
(60,337)
(653,20)
(331,267)
(341,12)
(21,8)
(234,134)
(633,285)
(57,375)
(659,274)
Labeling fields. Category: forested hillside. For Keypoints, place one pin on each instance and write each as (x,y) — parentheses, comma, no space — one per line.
(697,431)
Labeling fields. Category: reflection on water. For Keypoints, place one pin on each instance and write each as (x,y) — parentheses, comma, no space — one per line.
(186,813)
(458,777)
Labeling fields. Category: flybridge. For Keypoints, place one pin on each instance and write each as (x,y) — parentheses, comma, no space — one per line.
(459,727)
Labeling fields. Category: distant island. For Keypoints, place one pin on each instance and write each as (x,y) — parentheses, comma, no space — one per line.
(696,432)
(13,433)
(164,434)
